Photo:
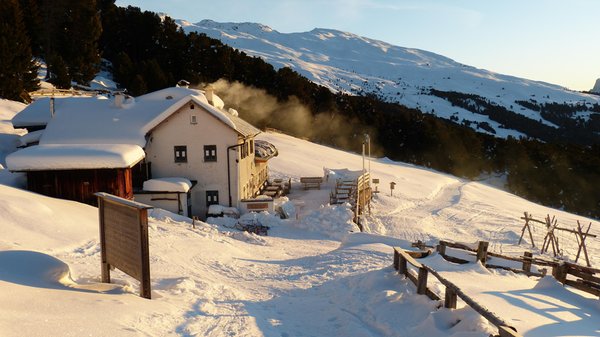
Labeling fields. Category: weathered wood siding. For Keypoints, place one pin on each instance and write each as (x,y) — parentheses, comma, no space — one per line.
(80,185)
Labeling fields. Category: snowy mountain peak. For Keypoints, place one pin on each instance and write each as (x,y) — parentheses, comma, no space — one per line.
(420,79)
(249,27)
(596,88)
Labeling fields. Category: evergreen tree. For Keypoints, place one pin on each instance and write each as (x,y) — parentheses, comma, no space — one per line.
(81,33)
(18,71)
(137,86)
(154,75)
(123,70)
(58,73)
(33,24)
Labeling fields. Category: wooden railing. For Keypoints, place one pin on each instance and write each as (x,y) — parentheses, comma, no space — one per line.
(66,92)
(583,278)
(401,260)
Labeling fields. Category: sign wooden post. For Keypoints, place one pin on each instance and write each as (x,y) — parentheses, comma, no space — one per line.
(124,239)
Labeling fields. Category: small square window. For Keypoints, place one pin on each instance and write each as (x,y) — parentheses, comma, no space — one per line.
(212,198)
(193,119)
(180,154)
(210,153)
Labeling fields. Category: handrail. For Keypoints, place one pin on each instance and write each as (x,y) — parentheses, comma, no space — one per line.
(402,258)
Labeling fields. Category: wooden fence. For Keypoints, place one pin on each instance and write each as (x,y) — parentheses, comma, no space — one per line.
(357,192)
(452,292)
(552,230)
(577,276)
(66,92)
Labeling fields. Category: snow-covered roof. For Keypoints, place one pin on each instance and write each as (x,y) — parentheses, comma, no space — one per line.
(93,121)
(74,156)
(264,150)
(38,112)
(170,184)
(30,137)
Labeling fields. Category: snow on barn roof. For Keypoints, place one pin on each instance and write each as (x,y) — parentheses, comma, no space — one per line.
(38,112)
(104,122)
(30,137)
(75,156)
(171,184)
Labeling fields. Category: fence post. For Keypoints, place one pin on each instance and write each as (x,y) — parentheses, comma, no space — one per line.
(527,261)
(559,271)
(482,252)
(422,281)
(402,268)
(441,249)
(450,298)
(396,259)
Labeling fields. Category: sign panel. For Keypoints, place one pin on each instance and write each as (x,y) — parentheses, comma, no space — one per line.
(124,239)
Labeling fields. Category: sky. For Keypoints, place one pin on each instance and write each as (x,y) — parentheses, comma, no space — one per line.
(554,41)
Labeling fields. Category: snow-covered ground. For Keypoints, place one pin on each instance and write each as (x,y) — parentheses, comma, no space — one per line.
(308,277)
(350,63)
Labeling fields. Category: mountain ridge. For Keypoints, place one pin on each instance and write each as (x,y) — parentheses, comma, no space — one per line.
(349,63)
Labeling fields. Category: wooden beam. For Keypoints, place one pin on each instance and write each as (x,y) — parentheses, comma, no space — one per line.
(454,259)
(584,276)
(457,245)
(581,285)
(418,254)
(409,258)
(506,331)
(516,271)
(490,316)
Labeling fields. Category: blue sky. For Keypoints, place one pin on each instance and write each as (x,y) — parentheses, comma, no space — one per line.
(556,41)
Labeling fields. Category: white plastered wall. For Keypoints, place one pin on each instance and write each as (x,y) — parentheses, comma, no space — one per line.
(178,130)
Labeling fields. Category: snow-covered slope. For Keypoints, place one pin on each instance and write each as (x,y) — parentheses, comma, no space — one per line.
(355,64)
(309,277)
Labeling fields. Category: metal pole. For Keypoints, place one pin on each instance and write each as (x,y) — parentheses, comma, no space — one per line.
(369,151)
(363,157)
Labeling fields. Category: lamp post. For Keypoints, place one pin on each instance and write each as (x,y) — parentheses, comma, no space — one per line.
(368,140)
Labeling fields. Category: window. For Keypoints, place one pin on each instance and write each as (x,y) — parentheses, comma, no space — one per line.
(193,119)
(252,146)
(210,153)
(180,154)
(212,198)
(244,151)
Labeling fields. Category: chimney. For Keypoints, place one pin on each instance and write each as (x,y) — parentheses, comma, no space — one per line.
(52,107)
(208,92)
(119,97)
(183,84)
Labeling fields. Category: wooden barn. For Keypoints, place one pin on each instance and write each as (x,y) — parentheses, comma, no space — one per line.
(77,172)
